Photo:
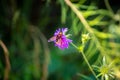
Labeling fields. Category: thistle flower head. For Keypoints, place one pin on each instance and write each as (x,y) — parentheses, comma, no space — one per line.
(60,39)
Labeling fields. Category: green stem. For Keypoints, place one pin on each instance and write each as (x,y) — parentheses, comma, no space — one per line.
(74,45)
(108,6)
(88,64)
(86,60)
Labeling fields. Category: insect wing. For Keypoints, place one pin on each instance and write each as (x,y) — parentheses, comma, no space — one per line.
(52,39)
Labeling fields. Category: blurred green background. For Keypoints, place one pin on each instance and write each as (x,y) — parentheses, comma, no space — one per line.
(26,25)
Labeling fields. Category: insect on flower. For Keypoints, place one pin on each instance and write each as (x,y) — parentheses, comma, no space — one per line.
(60,39)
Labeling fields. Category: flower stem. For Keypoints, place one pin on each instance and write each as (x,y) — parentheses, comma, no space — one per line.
(74,45)
(88,64)
(84,57)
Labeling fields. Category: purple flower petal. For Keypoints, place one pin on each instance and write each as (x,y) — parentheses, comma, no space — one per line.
(57,32)
(64,30)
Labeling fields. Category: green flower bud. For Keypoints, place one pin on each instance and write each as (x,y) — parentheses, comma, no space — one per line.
(85,38)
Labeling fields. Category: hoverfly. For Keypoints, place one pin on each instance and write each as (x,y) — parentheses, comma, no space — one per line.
(57,38)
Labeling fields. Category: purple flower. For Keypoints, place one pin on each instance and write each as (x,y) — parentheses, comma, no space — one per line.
(60,39)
